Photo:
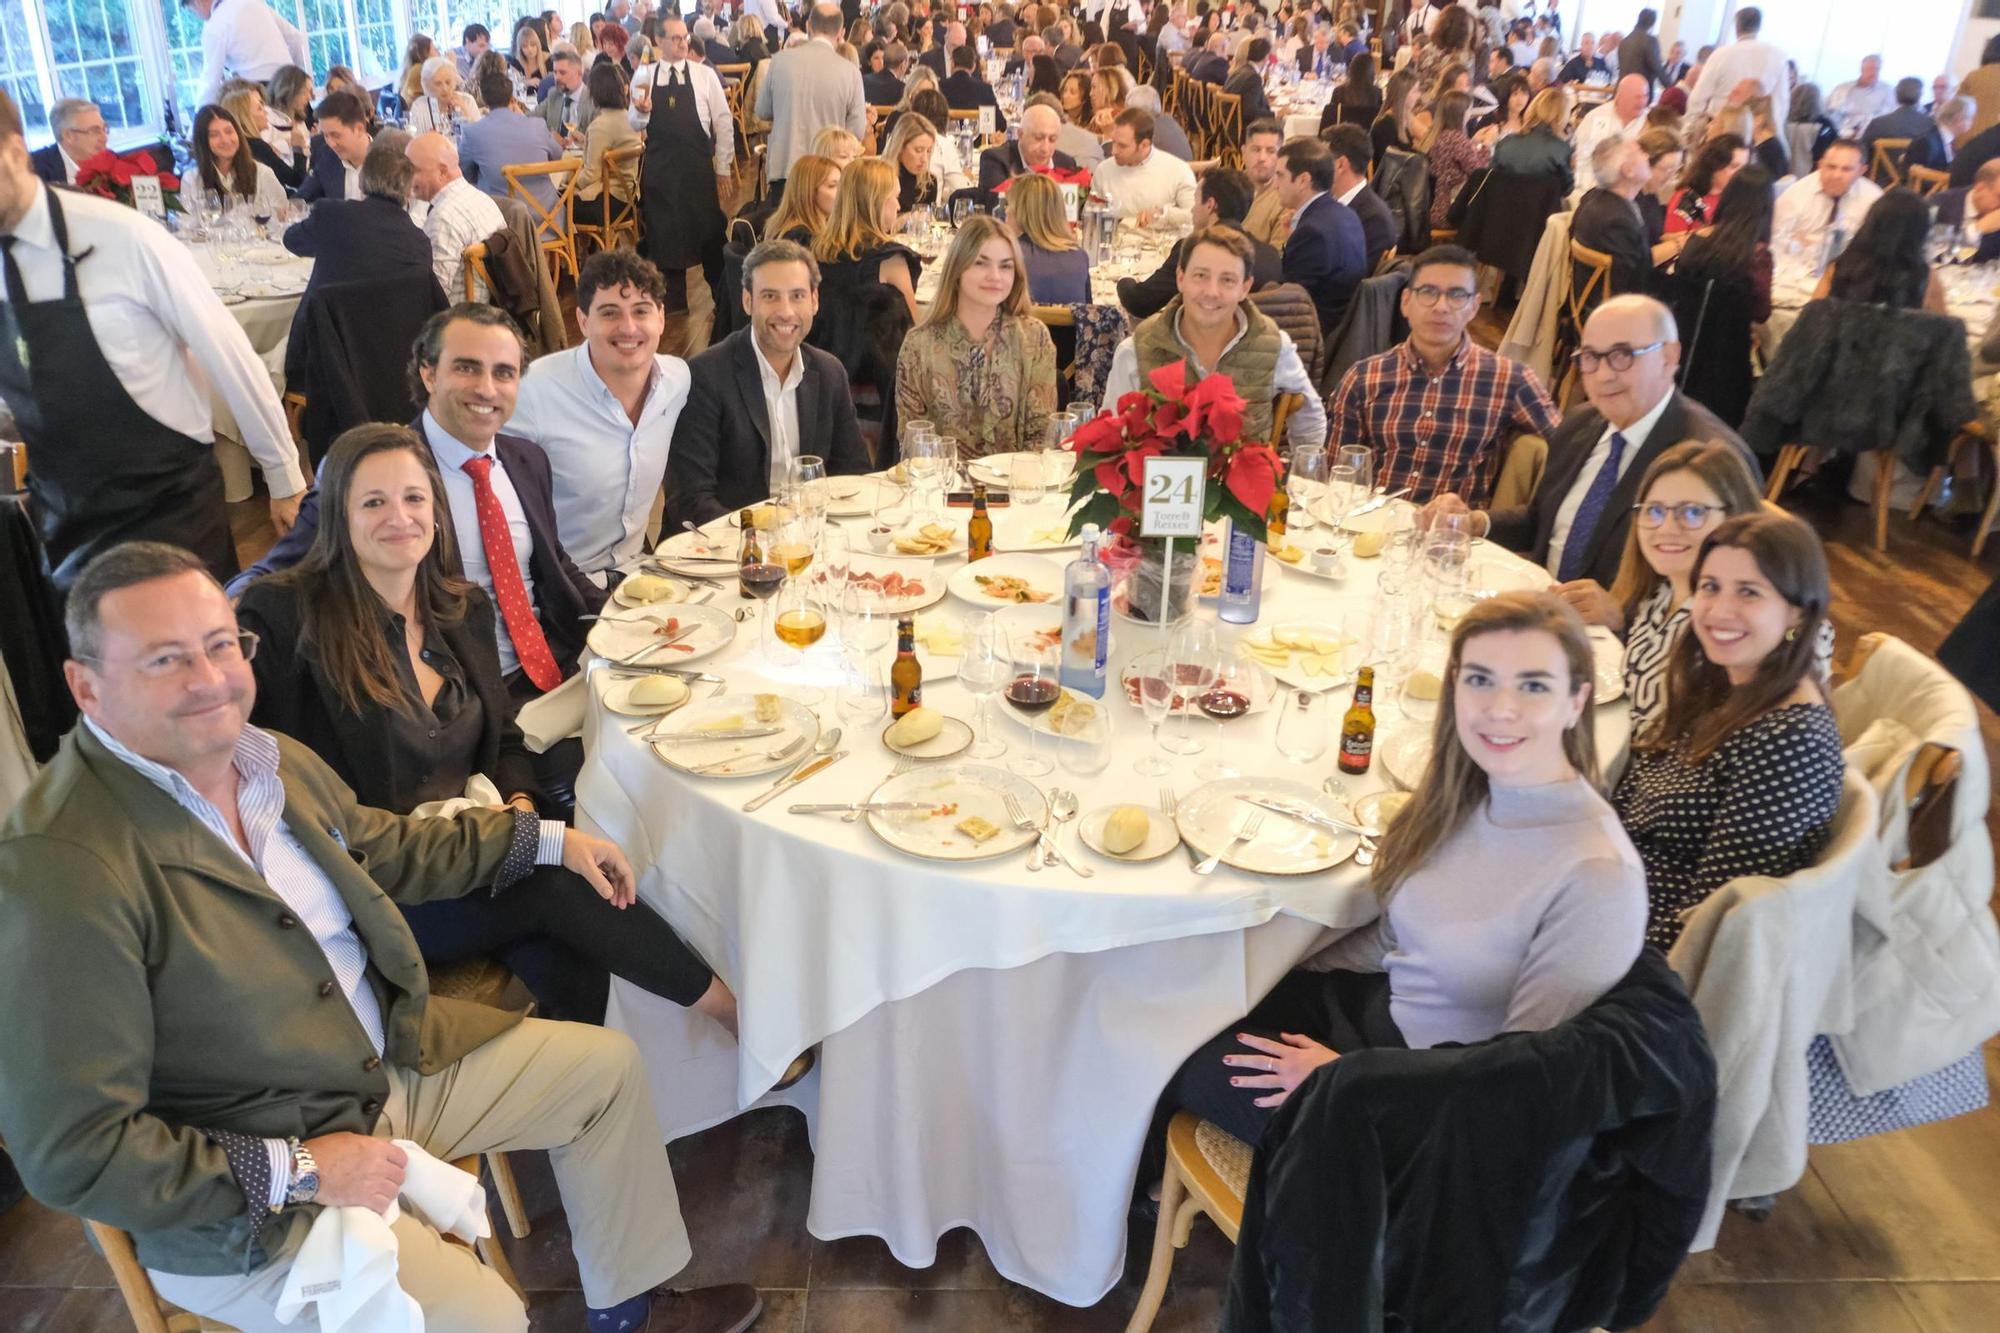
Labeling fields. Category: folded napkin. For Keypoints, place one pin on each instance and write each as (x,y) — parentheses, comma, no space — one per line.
(346,1270)
(480,794)
(556,716)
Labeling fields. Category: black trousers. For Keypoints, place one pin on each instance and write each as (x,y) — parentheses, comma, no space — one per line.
(563,941)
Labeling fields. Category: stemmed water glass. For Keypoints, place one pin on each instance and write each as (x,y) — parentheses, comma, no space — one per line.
(1305,482)
(925,460)
(1191,662)
(1222,699)
(985,667)
(807,484)
(1156,701)
(1362,459)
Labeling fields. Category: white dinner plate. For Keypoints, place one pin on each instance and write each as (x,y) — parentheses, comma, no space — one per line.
(1161,835)
(739,758)
(1293,670)
(1058,468)
(1377,808)
(1044,622)
(1485,577)
(1043,577)
(1210,817)
(973,789)
(1610,655)
(856,497)
(1404,756)
(955,544)
(1040,722)
(953,737)
(1043,527)
(904,587)
(1245,676)
(622,633)
(935,665)
(676,591)
(618,698)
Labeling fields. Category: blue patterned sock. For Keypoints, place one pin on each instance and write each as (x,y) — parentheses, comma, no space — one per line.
(622,1317)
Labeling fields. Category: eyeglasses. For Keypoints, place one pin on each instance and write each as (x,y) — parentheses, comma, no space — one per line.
(1454,297)
(221,651)
(1692,516)
(1618,358)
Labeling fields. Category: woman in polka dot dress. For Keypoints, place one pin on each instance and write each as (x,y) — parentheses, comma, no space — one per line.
(1740,774)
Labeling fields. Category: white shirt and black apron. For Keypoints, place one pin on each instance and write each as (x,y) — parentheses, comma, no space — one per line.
(677,189)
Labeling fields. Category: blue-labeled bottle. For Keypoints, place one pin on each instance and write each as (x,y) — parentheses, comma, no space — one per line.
(1242,577)
(1086,619)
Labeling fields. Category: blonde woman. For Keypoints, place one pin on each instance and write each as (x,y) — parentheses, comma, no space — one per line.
(1512,781)
(810,189)
(1058,269)
(1107,100)
(836,145)
(410,87)
(857,247)
(580,42)
(980,365)
(442,103)
(245,102)
(909,150)
(1539,147)
(1767,144)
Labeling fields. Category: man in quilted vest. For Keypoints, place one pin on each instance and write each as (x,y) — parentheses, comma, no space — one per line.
(1213,324)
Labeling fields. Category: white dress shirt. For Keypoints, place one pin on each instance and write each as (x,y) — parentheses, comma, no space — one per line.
(711,104)
(770,11)
(69,164)
(1854,106)
(246,39)
(452,456)
(1162,183)
(1635,439)
(350,177)
(163,331)
(427,113)
(1600,124)
(278,134)
(1730,65)
(606,469)
(781,405)
(461,215)
(1307,425)
(1805,213)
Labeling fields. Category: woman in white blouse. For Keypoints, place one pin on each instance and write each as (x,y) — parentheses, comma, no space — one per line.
(223,164)
(442,102)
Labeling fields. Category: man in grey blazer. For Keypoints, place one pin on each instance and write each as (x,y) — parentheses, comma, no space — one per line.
(568,110)
(503,137)
(810,86)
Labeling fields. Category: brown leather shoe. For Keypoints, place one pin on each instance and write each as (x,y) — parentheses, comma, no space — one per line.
(725,1309)
(801,1065)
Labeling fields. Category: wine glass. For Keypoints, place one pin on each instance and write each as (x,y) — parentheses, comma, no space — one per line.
(799,621)
(925,461)
(1305,482)
(1026,480)
(961,209)
(1033,689)
(1156,701)
(1084,748)
(807,476)
(759,582)
(1303,729)
(1226,697)
(984,669)
(866,626)
(1191,661)
(1362,459)
(864,693)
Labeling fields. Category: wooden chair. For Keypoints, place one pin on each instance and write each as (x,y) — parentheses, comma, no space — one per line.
(1792,455)
(1976,436)
(1226,141)
(1885,168)
(1144,73)
(622,215)
(1059,317)
(555,227)
(1208,1171)
(1926,181)
(1282,408)
(473,271)
(1580,301)
(483,981)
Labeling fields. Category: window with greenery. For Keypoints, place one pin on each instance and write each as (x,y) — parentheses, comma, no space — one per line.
(93,53)
(17,69)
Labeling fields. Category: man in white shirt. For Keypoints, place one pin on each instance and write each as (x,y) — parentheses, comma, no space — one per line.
(604,412)
(108,366)
(1825,209)
(80,135)
(1623,115)
(459,215)
(1745,58)
(1859,101)
(243,39)
(1149,188)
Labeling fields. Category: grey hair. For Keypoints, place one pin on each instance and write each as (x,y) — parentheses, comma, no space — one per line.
(386,172)
(67,110)
(123,566)
(1546,67)
(1145,97)
(1607,160)
(704,28)
(1956,111)
(1662,319)
(566,54)
(285,85)
(779,252)
(826,21)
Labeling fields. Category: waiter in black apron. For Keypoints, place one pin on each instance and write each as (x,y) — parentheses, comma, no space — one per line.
(688,128)
(102,469)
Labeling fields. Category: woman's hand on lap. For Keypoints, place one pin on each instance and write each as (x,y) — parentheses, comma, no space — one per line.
(1282,1064)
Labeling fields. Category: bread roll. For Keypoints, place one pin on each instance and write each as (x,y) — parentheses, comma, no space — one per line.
(915,727)
(659,692)
(1126,829)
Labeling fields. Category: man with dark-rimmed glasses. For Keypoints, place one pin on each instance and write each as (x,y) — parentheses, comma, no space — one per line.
(1436,408)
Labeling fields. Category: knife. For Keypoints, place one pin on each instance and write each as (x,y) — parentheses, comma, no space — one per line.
(793,780)
(740,734)
(656,646)
(1372,505)
(858,808)
(1308,816)
(647,669)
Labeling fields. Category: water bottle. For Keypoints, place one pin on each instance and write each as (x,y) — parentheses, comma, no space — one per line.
(1086,619)
(1242,577)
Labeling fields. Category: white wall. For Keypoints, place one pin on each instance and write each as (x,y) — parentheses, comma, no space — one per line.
(1827,38)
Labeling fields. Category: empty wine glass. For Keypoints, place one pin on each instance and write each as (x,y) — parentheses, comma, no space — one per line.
(1225,698)
(1362,459)
(864,693)
(1191,660)
(807,476)
(1305,486)
(984,669)
(1303,727)
(1156,703)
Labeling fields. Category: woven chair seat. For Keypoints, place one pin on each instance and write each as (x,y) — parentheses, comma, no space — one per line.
(1228,1155)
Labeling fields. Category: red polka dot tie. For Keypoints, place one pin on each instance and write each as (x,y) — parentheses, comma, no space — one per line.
(519,614)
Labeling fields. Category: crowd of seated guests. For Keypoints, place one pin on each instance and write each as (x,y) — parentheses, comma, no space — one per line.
(1057,266)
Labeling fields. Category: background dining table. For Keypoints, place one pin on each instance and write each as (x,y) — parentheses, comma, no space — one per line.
(261,283)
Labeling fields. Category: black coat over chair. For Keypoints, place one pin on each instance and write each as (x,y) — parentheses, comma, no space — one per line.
(1504,214)
(349,355)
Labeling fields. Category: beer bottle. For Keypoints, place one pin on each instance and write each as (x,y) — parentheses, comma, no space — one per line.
(906,678)
(752,552)
(979,532)
(1357,729)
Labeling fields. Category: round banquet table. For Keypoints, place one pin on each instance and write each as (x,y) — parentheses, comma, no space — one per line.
(992,1040)
(262,290)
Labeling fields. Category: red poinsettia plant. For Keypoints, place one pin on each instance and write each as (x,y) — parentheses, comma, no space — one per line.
(1176,413)
(109,175)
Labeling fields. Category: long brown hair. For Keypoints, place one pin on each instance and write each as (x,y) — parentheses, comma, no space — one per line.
(1454,785)
(242,178)
(1035,207)
(799,207)
(1720,468)
(1448,116)
(855,226)
(1703,708)
(973,234)
(340,614)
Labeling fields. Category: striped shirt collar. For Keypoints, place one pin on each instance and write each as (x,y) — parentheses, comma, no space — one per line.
(256,760)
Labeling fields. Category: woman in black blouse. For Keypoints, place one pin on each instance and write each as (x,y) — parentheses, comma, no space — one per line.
(386,666)
(1740,775)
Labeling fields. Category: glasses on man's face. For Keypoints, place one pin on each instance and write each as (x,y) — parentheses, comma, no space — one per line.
(1455,298)
(1619,358)
(1694,517)
(223,651)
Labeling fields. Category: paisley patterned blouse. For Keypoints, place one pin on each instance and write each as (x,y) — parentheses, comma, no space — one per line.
(993,394)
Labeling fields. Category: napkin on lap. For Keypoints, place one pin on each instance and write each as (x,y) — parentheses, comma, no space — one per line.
(556,716)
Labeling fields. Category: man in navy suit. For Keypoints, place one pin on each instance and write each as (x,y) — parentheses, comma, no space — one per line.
(1327,253)
(966,91)
(338,149)
(1353,153)
(365,239)
(80,135)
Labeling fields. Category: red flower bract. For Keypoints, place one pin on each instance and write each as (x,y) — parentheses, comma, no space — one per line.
(1252,476)
(1214,405)
(1170,379)
(1099,435)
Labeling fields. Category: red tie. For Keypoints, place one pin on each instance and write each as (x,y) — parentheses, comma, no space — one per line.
(515,609)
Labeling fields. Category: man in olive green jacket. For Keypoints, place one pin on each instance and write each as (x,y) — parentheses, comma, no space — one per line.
(217,1018)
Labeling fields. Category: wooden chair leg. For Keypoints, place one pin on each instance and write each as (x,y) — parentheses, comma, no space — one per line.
(1992,502)
(1789,458)
(141,1302)
(1929,492)
(495,1258)
(1885,482)
(1172,1193)
(509,1191)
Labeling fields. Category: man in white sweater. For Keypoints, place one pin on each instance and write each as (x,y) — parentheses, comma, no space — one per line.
(1149,188)
(1745,58)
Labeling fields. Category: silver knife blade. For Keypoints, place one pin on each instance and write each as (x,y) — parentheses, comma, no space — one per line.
(740,734)
(655,647)
(644,669)
(794,779)
(857,807)
(1305,815)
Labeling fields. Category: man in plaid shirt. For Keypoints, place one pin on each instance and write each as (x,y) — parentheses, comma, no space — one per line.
(1435,408)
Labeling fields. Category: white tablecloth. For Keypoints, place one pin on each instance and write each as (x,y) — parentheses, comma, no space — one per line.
(993,1041)
(267,322)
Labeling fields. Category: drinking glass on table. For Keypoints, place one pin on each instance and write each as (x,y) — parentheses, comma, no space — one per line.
(1084,748)
(1306,486)
(1303,727)
(1027,480)
(1226,697)
(799,621)
(760,582)
(924,460)
(808,483)
(1362,459)
(864,693)
(1156,702)
(1033,689)
(1191,663)
(984,670)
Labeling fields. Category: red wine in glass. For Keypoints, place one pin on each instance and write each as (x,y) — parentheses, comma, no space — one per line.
(1223,703)
(1033,694)
(760,580)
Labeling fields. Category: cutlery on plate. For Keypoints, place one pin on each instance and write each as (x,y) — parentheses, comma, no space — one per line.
(1247,831)
(1062,806)
(655,720)
(904,763)
(778,756)
(828,742)
(1170,806)
(656,645)
(1307,815)
(1370,506)
(737,734)
(1025,825)
(794,778)
(857,807)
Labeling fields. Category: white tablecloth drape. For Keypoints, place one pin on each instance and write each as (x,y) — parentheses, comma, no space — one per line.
(267,322)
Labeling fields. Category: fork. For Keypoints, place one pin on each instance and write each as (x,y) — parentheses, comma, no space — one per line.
(904,763)
(1170,806)
(1247,831)
(1025,825)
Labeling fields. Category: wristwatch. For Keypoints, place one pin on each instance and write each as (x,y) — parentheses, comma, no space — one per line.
(305,1174)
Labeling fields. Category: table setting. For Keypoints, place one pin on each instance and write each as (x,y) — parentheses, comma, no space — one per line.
(1008,905)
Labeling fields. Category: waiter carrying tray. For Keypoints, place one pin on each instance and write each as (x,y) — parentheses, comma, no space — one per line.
(110,339)
(688,126)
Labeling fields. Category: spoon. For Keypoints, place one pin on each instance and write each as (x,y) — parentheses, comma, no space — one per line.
(1062,805)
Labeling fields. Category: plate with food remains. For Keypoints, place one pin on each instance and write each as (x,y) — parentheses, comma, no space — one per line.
(919,541)
(1033,528)
(1248,686)
(1009,580)
(852,497)
(1040,627)
(790,729)
(1210,818)
(1303,655)
(1065,717)
(650,590)
(964,815)
(623,631)
(764,516)
(902,590)
(645,696)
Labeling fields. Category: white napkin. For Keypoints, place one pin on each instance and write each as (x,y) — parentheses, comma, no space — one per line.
(556,716)
(347,1267)
(480,794)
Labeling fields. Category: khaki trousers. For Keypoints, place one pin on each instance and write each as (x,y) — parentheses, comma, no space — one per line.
(581,1093)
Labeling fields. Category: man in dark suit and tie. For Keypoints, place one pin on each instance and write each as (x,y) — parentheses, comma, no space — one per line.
(338,149)
(1212,64)
(937,59)
(568,109)
(1222,196)
(1353,154)
(80,135)
(761,398)
(1033,150)
(1934,148)
(1578,521)
(1905,122)
(885,86)
(1327,253)
(964,90)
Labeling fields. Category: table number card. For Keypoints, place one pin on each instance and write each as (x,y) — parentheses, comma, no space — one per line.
(986,120)
(147,198)
(1170,505)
